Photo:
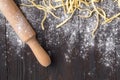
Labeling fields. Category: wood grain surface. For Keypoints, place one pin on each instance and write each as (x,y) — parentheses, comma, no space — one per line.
(75,55)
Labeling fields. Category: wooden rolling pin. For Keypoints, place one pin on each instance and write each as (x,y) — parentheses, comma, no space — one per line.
(24,30)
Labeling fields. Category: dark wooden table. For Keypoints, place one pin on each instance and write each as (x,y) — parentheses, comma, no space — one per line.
(75,54)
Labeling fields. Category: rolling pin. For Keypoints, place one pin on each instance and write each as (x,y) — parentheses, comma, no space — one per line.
(24,30)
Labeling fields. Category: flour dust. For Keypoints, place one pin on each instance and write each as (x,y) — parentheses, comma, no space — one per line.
(76,36)
(14,41)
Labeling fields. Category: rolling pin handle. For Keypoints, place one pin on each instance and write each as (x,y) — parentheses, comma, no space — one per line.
(39,52)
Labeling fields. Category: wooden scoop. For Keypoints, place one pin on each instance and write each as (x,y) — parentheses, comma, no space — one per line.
(23,30)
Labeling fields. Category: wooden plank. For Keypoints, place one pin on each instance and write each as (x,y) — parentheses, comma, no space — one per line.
(117,65)
(75,55)
(3,56)
(14,55)
(106,56)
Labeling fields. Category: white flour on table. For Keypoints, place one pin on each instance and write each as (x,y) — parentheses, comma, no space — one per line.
(77,31)
(14,41)
(78,28)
